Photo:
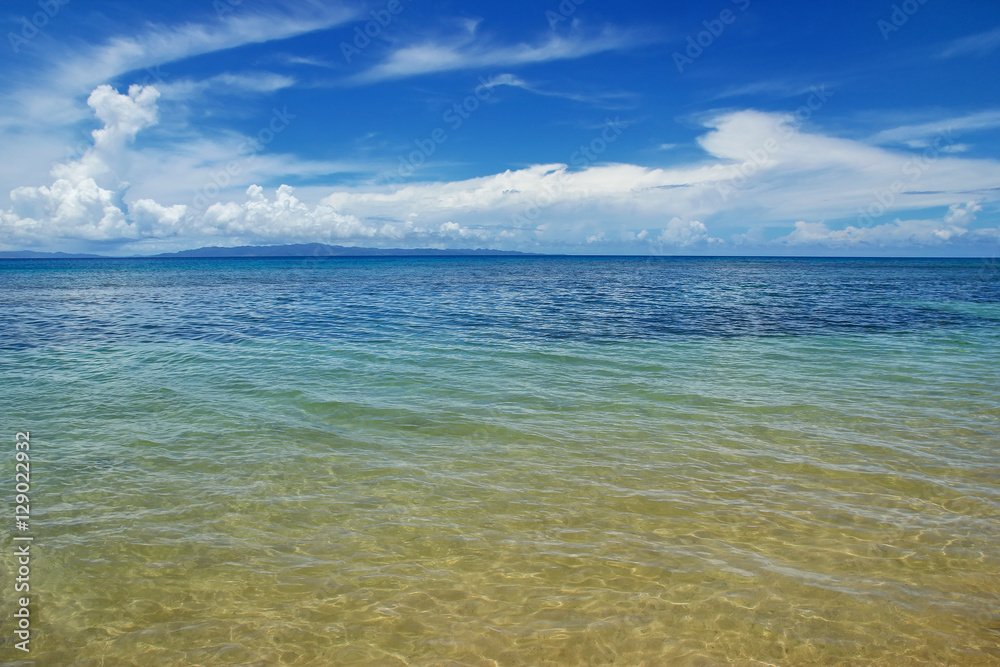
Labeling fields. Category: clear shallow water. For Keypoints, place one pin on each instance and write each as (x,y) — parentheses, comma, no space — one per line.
(508,461)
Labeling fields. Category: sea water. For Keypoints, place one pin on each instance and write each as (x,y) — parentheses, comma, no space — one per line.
(504,461)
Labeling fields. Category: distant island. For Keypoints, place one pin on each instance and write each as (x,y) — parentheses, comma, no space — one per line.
(291,250)
(31,254)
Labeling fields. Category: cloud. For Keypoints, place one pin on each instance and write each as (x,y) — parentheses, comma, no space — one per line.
(76,205)
(66,209)
(758,169)
(228,83)
(775,88)
(978,45)
(468,51)
(71,71)
(289,59)
(961,216)
(602,100)
(259,219)
(153,220)
(953,226)
(160,45)
(921,135)
(681,233)
(123,115)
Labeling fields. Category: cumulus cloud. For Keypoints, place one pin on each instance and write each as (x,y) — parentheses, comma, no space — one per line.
(153,220)
(961,215)
(684,233)
(76,209)
(123,115)
(85,199)
(954,225)
(284,217)
(758,168)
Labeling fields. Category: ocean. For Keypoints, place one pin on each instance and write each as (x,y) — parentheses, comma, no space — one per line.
(504,461)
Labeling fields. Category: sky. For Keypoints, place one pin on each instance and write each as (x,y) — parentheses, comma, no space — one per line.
(729,127)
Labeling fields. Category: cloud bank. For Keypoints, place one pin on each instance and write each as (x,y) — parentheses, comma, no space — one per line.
(758,166)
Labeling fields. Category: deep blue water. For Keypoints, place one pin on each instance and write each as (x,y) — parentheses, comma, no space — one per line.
(67,302)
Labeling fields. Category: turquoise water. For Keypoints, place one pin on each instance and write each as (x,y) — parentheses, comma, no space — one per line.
(538,461)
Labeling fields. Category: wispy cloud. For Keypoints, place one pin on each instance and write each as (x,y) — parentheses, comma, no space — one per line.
(778,89)
(160,45)
(609,101)
(469,51)
(977,45)
(918,135)
(74,70)
(240,83)
(289,59)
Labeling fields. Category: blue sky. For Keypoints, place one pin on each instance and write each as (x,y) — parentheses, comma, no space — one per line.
(582,126)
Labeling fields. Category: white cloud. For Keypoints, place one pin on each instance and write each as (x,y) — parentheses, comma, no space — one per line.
(66,209)
(602,100)
(979,45)
(923,134)
(467,51)
(153,220)
(953,226)
(228,83)
(123,115)
(76,206)
(285,218)
(684,233)
(42,99)
(959,215)
(771,87)
(549,206)
(160,45)
(72,70)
